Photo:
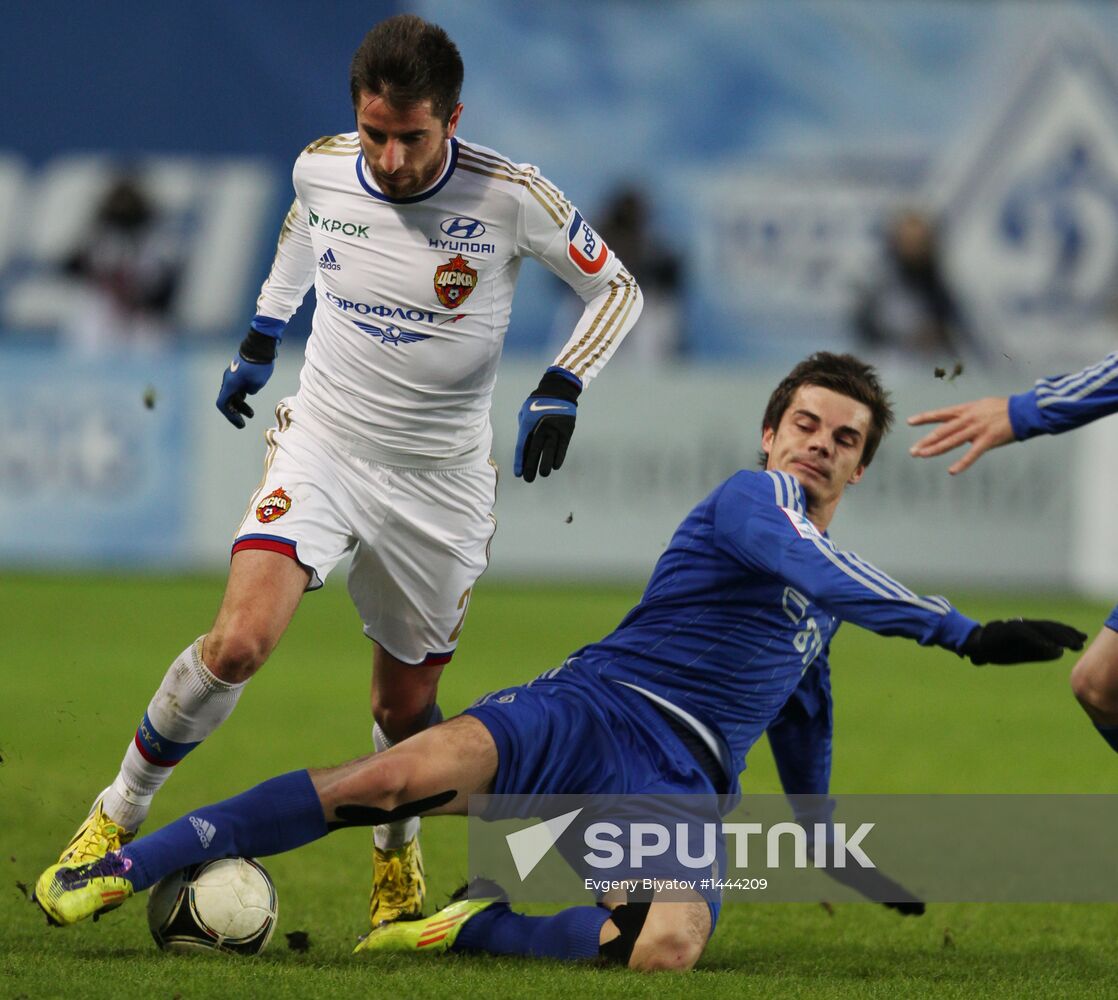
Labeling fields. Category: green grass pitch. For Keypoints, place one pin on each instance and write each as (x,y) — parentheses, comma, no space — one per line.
(81,656)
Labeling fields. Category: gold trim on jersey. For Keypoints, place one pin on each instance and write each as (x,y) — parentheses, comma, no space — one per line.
(334,145)
(547,195)
(285,229)
(611,317)
(284,419)
(497,160)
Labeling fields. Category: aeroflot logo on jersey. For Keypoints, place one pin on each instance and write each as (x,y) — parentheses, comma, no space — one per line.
(387,312)
(336,226)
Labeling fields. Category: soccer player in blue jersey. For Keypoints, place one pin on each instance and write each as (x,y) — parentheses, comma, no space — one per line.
(1052,406)
(730,639)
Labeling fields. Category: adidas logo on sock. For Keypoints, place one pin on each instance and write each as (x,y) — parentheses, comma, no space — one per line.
(328,262)
(205,830)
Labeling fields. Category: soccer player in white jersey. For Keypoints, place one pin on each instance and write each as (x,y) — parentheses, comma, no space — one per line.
(1052,406)
(413,239)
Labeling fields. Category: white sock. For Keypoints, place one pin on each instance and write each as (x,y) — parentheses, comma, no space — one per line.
(189,705)
(392,836)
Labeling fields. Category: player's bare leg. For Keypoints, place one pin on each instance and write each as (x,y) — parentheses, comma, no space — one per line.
(261,596)
(197,694)
(1094,679)
(433,773)
(403,703)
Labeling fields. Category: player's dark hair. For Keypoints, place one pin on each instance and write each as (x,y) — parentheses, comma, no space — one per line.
(841,373)
(406,60)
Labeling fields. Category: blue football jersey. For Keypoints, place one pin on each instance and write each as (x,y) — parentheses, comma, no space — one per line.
(1063,402)
(741,608)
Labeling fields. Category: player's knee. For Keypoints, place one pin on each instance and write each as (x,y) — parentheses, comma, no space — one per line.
(234,656)
(1095,685)
(666,949)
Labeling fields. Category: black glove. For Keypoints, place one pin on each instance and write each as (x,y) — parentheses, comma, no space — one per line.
(546,423)
(879,887)
(1020,641)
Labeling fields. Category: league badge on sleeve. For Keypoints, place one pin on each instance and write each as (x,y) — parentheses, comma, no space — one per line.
(584,246)
(454,281)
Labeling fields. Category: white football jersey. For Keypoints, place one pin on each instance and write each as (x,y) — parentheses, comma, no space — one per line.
(413,296)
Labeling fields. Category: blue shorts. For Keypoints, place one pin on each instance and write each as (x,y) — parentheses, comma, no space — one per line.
(1112,621)
(573,733)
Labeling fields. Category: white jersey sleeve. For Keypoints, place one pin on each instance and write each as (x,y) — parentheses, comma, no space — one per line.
(554,232)
(292,272)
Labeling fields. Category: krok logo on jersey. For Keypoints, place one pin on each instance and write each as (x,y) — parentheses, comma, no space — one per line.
(274,505)
(584,246)
(454,281)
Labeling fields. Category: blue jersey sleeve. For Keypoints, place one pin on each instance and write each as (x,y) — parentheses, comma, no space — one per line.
(760,521)
(1063,402)
(800,737)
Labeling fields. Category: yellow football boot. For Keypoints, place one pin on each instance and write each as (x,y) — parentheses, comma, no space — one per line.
(429,934)
(68,893)
(399,888)
(95,838)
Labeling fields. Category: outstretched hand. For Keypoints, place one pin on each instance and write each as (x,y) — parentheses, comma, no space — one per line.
(1021,640)
(879,887)
(981,423)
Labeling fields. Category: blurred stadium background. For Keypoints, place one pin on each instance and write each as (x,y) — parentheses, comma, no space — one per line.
(757,154)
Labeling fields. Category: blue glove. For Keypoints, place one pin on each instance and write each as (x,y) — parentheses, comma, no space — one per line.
(246,375)
(546,423)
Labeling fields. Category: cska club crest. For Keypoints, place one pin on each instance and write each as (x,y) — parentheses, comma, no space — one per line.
(274,505)
(454,281)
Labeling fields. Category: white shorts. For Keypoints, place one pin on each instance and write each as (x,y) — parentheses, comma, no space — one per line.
(419,537)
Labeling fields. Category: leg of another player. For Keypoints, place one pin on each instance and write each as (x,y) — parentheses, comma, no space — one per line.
(203,684)
(403,704)
(1094,679)
(403,695)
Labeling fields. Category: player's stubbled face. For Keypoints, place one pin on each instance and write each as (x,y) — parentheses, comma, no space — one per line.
(404,148)
(819,441)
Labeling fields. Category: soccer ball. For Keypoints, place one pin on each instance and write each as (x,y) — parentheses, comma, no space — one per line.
(225,905)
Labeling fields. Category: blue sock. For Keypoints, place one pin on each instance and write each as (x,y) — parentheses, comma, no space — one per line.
(570,934)
(1110,734)
(278,815)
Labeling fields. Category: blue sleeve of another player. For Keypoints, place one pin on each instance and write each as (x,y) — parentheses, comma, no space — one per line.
(759,521)
(1063,402)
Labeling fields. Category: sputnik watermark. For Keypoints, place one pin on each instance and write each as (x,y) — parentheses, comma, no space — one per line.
(646,841)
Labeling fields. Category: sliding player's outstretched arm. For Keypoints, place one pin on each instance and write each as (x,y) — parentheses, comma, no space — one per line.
(1053,405)
(800,739)
(761,520)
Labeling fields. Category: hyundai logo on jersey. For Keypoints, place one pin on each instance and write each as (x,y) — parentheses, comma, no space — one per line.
(463,228)
(584,246)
